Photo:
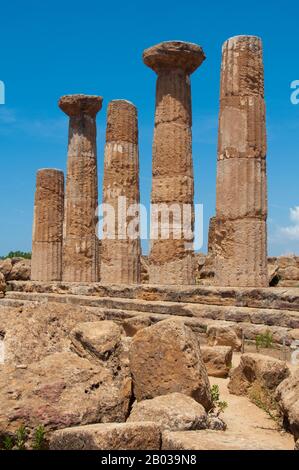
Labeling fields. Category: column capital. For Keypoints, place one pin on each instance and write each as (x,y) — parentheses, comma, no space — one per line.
(76,105)
(170,55)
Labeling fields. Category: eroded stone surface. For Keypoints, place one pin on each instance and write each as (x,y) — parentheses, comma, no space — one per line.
(120,251)
(80,243)
(46,262)
(287,395)
(241,206)
(225,334)
(60,370)
(217,359)
(257,368)
(175,412)
(60,390)
(2,284)
(171,255)
(166,358)
(126,436)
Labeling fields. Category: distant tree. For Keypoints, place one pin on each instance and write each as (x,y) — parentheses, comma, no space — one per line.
(17,254)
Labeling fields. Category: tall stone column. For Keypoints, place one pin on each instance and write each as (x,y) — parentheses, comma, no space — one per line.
(46,262)
(80,242)
(241,206)
(171,256)
(120,257)
(211,235)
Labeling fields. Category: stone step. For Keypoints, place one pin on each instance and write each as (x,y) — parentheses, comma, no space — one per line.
(122,309)
(270,298)
(270,317)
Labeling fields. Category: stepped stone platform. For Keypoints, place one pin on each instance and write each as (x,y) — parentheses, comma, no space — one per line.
(256,311)
(272,298)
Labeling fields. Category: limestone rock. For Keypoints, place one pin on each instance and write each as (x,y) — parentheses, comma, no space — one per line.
(134,324)
(175,412)
(125,436)
(224,334)
(46,264)
(100,339)
(217,359)
(297,445)
(287,395)
(61,390)
(34,331)
(5,267)
(15,269)
(215,423)
(166,358)
(257,368)
(2,284)
(21,269)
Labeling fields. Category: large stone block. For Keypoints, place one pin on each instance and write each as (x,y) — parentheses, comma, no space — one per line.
(175,412)
(124,436)
(224,334)
(264,371)
(166,358)
(218,360)
(287,395)
(240,248)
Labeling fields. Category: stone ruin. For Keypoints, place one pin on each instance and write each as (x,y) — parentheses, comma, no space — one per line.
(240,249)
(145,338)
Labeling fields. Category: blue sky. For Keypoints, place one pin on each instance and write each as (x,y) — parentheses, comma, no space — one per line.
(49,49)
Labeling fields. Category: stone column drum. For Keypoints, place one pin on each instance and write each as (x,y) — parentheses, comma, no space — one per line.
(211,235)
(171,260)
(46,262)
(241,202)
(120,257)
(80,241)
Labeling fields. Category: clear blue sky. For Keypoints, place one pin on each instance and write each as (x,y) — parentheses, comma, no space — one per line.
(49,49)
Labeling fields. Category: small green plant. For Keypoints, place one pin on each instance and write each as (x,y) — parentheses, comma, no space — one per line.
(8,443)
(219,406)
(23,440)
(264,340)
(263,399)
(39,438)
(21,437)
(215,393)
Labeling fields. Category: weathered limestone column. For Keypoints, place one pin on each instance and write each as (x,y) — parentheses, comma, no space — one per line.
(241,207)
(46,262)
(120,257)
(80,242)
(171,260)
(211,235)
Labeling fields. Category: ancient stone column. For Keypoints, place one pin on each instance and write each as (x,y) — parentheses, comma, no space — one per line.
(241,207)
(46,262)
(171,256)
(80,242)
(211,235)
(120,256)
